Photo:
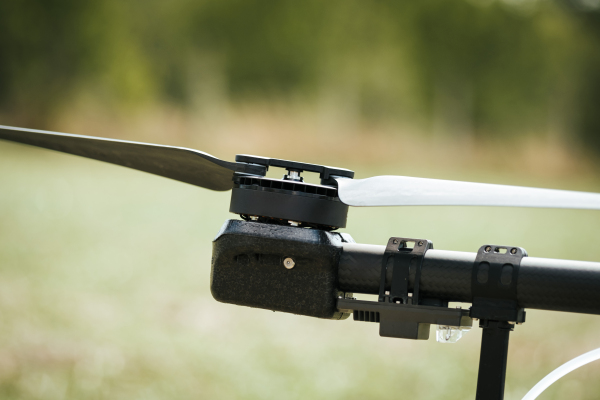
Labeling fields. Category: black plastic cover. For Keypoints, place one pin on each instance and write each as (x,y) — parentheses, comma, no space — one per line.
(248,268)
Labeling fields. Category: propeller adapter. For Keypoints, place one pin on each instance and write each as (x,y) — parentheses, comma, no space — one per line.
(290,200)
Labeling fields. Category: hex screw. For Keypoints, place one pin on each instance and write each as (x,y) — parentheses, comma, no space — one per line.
(488,249)
(289,263)
(421,243)
(395,241)
(513,251)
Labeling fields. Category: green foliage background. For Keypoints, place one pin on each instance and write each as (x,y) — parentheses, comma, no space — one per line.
(477,67)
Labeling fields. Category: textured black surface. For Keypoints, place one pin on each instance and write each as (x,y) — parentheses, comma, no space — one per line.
(185,165)
(560,285)
(248,270)
(546,284)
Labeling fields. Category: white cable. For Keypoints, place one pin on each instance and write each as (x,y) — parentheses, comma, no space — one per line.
(562,371)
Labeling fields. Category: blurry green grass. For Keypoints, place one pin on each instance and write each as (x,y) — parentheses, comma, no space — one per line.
(104,294)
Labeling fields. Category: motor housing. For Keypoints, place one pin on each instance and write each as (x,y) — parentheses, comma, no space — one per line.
(290,201)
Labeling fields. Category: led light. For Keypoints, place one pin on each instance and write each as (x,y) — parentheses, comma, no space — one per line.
(450,334)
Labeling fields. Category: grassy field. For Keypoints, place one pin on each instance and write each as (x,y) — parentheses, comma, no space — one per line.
(104,294)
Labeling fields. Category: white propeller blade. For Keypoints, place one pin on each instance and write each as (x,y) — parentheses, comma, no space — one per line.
(407,191)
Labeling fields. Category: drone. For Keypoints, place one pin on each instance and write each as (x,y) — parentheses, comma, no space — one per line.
(285,253)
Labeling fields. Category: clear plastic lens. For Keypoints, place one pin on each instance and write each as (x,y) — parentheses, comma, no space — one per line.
(450,334)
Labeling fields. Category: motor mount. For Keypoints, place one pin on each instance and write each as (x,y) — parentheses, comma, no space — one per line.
(290,201)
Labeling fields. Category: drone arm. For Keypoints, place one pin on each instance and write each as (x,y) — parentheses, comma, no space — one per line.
(545,284)
(248,268)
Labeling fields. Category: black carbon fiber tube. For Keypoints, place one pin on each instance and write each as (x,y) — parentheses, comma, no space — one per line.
(545,284)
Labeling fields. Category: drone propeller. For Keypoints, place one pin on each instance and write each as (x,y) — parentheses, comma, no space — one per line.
(291,200)
(185,165)
(407,191)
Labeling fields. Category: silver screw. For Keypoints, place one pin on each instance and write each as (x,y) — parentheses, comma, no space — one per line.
(395,241)
(294,176)
(488,249)
(513,251)
(421,243)
(289,263)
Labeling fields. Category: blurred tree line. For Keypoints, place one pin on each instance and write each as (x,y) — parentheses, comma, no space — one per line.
(452,67)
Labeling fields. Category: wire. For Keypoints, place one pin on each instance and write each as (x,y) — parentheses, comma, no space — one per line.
(562,371)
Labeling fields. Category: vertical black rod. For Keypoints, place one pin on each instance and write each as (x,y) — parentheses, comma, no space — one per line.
(492,360)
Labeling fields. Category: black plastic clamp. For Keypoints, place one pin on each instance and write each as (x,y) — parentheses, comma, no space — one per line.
(405,260)
(494,284)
